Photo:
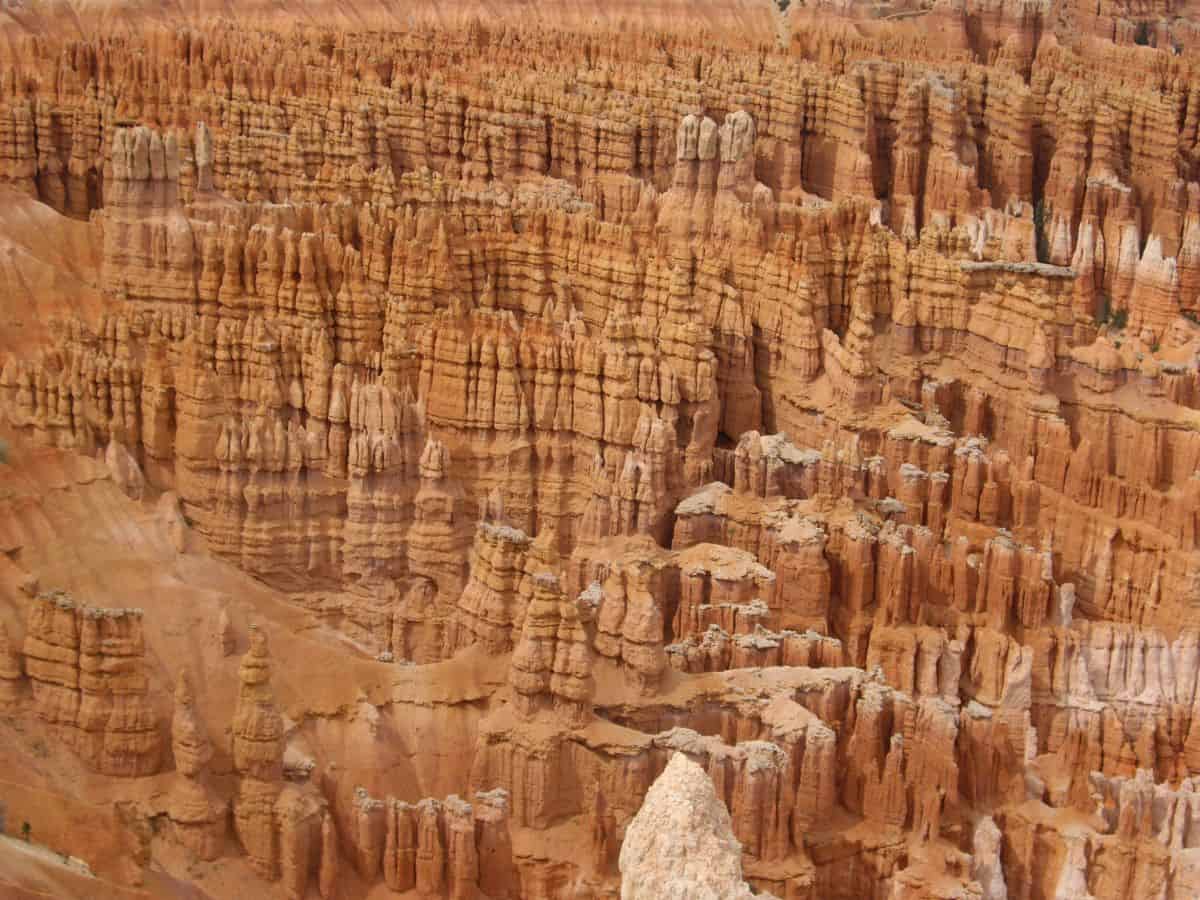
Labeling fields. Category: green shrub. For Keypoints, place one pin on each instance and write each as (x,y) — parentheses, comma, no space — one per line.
(1119,318)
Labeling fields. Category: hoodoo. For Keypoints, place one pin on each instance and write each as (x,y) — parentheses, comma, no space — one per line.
(507,451)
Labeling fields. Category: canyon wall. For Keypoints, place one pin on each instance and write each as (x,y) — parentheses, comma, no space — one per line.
(775,427)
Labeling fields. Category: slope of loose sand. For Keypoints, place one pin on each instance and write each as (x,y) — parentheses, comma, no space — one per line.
(49,267)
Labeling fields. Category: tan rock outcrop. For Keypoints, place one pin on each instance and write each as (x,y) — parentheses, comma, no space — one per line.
(551,664)
(680,843)
(198,815)
(448,848)
(86,668)
(258,759)
(11,676)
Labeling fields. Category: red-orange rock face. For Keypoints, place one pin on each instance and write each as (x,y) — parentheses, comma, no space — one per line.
(427,427)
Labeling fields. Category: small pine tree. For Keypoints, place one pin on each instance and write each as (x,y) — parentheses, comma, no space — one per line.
(25,831)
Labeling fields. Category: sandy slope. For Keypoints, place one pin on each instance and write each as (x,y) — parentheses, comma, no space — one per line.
(49,266)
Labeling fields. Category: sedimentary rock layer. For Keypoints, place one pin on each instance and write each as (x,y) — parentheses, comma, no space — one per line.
(653,453)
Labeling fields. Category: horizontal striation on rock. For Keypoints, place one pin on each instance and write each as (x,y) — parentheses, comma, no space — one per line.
(774,427)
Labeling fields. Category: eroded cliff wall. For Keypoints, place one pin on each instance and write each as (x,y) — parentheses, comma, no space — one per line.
(488,415)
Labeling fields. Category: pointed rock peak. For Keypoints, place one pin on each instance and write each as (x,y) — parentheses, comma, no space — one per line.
(681,843)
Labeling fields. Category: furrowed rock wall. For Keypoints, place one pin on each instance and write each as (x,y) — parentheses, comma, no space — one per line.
(802,414)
